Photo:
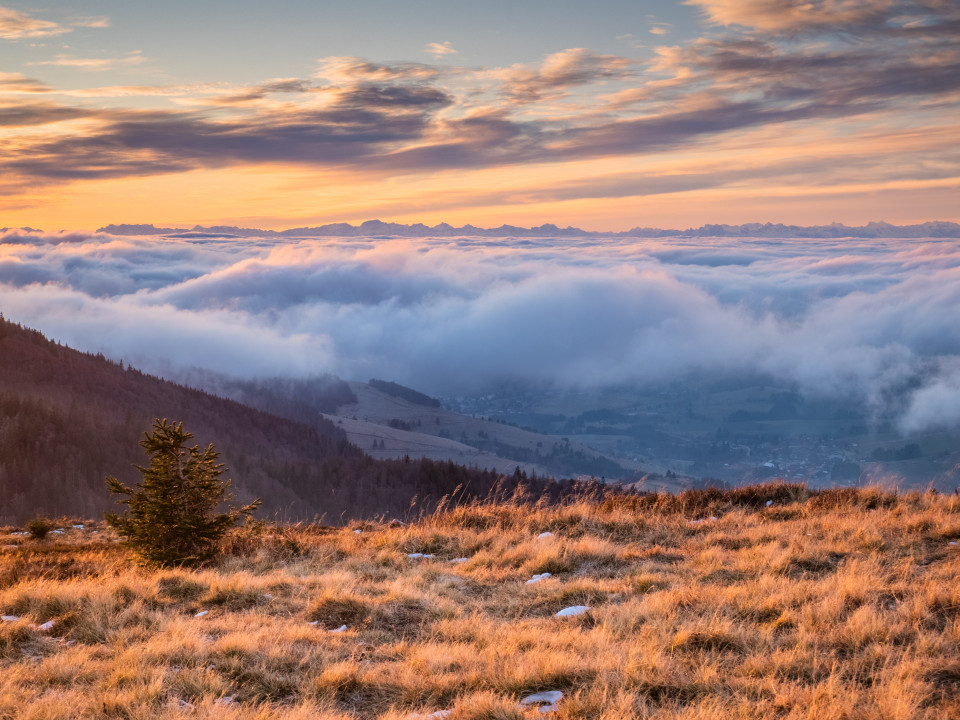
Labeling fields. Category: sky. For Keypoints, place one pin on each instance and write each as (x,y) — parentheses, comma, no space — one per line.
(872,320)
(604,115)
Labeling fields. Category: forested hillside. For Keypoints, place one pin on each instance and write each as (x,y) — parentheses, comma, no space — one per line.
(68,419)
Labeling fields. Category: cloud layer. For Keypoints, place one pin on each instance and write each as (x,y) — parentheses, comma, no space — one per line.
(874,320)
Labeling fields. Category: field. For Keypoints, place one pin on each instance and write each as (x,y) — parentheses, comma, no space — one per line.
(765,602)
(441,434)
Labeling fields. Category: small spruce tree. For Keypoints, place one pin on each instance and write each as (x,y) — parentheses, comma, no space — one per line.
(172,517)
(39,527)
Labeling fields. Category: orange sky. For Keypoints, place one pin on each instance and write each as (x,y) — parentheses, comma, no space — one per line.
(721,111)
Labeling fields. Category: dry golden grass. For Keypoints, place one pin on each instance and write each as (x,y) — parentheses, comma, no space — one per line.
(838,605)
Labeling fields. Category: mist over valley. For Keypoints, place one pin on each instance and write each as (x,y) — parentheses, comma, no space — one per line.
(728,358)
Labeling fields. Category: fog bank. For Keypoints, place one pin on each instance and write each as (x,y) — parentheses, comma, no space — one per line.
(862,317)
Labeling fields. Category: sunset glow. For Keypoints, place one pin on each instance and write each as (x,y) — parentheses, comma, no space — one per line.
(480,359)
(621,115)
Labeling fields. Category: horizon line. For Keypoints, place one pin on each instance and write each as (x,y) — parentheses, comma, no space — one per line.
(944,228)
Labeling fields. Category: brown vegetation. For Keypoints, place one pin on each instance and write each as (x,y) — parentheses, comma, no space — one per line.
(838,604)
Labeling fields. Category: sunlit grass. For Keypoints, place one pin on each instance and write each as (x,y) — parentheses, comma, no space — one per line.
(843,604)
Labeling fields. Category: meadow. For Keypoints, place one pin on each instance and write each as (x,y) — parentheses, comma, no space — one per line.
(772,601)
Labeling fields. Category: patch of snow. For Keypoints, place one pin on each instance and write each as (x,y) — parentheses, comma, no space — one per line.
(573,610)
(225,700)
(201,613)
(313,622)
(543,535)
(48,625)
(77,527)
(419,555)
(546,701)
(459,560)
(538,578)
(432,716)
(59,531)
(953,542)
(769,503)
(342,628)
(10,547)
(550,696)
(358,531)
(20,533)
(9,618)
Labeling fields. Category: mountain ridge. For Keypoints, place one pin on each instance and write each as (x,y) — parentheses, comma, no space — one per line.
(930,229)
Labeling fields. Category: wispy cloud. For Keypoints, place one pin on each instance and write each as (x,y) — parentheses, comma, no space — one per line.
(800,15)
(30,114)
(94,64)
(91,22)
(17,25)
(560,72)
(17,83)
(440,49)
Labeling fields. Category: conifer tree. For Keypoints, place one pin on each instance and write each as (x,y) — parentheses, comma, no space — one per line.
(172,517)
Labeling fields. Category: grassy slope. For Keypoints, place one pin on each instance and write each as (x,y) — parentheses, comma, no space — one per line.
(844,604)
(378,408)
(397,443)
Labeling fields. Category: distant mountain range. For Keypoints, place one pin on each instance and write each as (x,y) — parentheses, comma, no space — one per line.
(934,229)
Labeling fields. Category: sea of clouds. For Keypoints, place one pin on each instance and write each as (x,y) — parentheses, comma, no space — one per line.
(868,319)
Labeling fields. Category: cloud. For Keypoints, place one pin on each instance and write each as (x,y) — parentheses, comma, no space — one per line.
(24,114)
(826,69)
(91,22)
(869,320)
(15,25)
(148,143)
(15,83)
(260,92)
(560,71)
(794,15)
(936,405)
(440,49)
(94,64)
(348,70)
